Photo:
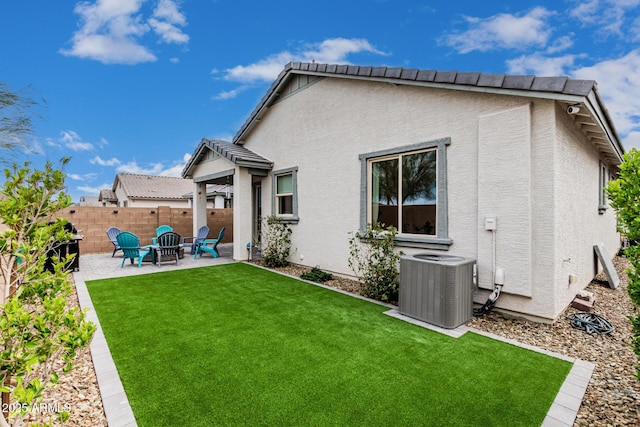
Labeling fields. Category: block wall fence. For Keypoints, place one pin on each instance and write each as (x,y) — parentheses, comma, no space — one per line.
(93,221)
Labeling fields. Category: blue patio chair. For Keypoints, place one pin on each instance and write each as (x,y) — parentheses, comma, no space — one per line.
(112,233)
(130,245)
(213,249)
(168,247)
(203,232)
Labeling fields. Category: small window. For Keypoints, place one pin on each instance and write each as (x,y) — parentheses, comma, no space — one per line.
(602,188)
(285,197)
(284,194)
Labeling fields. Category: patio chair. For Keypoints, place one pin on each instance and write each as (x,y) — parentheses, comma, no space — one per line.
(130,245)
(213,249)
(159,231)
(203,232)
(168,247)
(112,233)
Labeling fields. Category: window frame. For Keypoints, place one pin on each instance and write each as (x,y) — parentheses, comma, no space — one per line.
(441,238)
(286,218)
(602,185)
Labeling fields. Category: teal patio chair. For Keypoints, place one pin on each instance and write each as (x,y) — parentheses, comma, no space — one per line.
(159,231)
(168,247)
(130,245)
(194,241)
(213,249)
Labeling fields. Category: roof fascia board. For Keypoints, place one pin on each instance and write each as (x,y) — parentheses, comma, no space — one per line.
(602,116)
(217,175)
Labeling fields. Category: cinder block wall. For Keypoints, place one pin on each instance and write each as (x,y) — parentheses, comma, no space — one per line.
(94,221)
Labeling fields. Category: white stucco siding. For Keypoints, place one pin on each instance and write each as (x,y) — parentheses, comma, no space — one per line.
(323,129)
(579,226)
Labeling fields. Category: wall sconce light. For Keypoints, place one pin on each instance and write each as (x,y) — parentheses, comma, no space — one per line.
(115,211)
(152,212)
(213,213)
(72,211)
(184,212)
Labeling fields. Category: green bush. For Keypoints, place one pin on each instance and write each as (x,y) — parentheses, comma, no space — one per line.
(624,194)
(276,241)
(374,261)
(316,275)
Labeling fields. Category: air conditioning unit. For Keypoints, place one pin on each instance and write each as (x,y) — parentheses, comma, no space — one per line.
(436,289)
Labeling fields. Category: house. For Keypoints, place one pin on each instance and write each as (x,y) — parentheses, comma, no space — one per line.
(507,170)
(137,190)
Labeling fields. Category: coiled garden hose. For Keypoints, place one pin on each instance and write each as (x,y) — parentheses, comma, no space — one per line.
(591,323)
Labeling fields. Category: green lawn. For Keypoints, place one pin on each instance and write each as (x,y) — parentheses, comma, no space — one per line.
(235,344)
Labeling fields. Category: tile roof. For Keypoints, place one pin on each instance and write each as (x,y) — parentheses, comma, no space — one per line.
(236,154)
(562,89)
(108,195)
(138,186)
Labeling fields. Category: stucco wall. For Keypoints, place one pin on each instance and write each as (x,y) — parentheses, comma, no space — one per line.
(322,129)
(579,226)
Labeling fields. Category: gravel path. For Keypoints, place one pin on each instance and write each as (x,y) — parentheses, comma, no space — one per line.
(612,397)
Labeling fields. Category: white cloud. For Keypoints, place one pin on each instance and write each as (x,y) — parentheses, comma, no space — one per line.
(133,167)
(84,177)
(166,20)
(110,30)
(72,140)
(632,140)
(266,70)
(541,65)
(502,31)
(99,161)
(621,94)
(176,169)
(155,168)
(611,16)
(229,94)
(561,44)
(85,189)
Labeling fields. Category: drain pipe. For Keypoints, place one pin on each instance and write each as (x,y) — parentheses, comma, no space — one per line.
(493,297)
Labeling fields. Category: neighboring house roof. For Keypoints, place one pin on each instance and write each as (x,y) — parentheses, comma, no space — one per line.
(107,195)
(137,186)
(593,120)
(236,154)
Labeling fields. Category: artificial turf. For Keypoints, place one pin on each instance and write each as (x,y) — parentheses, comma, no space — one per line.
(238,345)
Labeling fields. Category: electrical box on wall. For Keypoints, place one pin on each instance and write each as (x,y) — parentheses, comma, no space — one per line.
(490,223)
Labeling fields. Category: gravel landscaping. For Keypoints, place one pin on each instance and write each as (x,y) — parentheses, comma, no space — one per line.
(612,397)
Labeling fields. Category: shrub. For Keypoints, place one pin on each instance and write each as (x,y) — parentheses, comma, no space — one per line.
(374,261)
(316,275)
(37,327)
(624,194)
(276,240)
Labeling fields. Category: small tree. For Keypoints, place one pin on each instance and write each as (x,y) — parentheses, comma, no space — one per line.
(374,261)
(624,194)
(276,241)
(37,327)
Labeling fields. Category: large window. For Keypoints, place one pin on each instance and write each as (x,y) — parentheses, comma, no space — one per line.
(403,192)
(285,194)
(406,187)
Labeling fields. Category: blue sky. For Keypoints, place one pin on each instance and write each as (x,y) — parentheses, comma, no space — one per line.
(133,85)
